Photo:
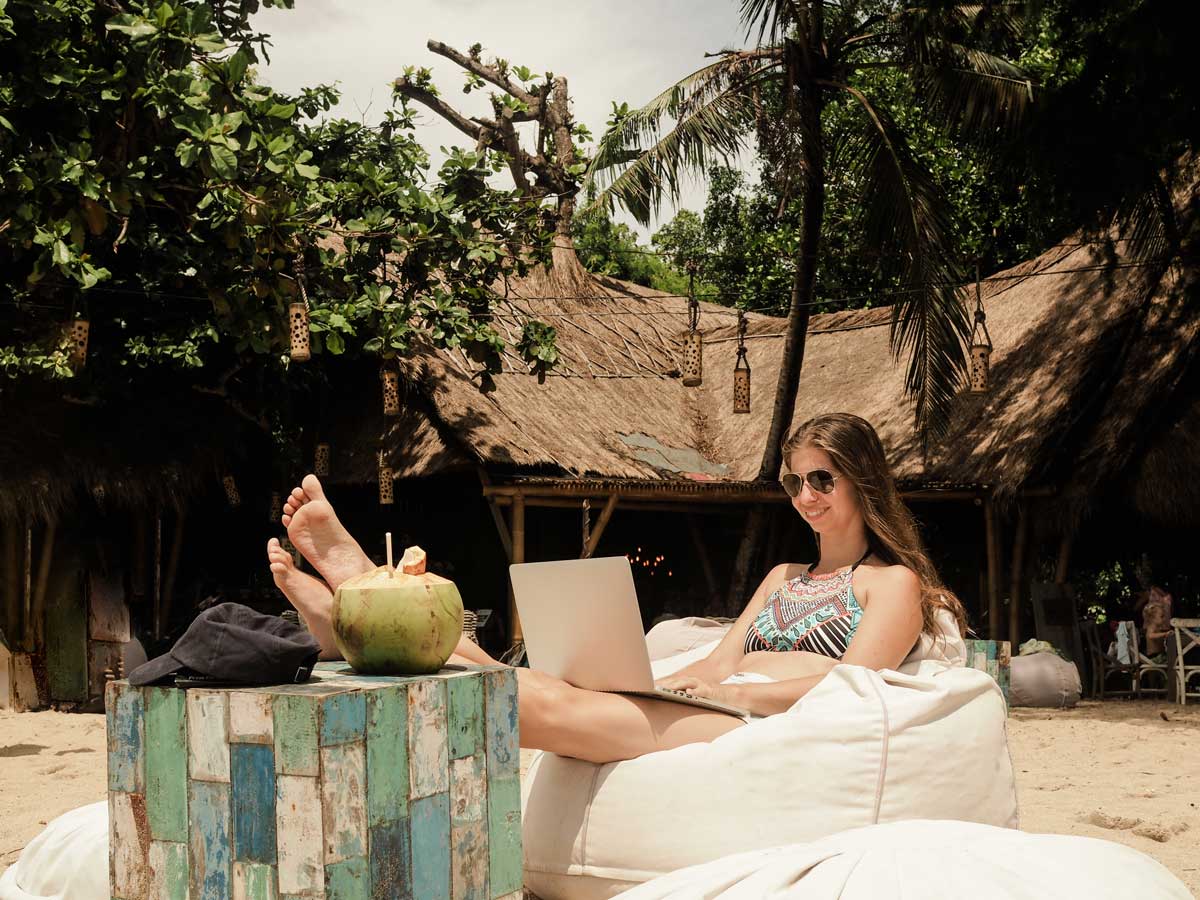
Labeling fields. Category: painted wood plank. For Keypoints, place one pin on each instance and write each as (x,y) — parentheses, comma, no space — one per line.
(466,715)
(348,880)
(469,872)
(211,873)
(108,616)
(503,753)
(66,631)
(387,755)
(504,834)
(102,656)
(468,828)
(168,870)
(391,860)
(250,718)
(430,843)
(298,826)
(295,727)
(208,735)
(253,775)
(128,845)
(124,711)
(427,739)
(253,881)
(343,718)
(344,801)
(166,764)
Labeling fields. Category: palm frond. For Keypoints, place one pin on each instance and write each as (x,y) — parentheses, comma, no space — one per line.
(640,161)
(908,226)
(775,19)
(973,91)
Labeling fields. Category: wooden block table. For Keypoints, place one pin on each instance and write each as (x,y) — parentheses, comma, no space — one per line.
(994,658)
(344,787)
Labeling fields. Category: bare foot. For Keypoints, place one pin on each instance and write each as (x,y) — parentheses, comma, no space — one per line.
(320,537)
(309,595)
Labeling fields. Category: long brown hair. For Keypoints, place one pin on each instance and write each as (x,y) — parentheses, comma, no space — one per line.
(892,534)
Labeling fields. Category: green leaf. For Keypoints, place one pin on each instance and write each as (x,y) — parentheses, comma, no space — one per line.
(237,65)
(188,152)
(282,110)
(334,343)
(61,254)
(7,124)
(134,26)
(224,161)
(309,172)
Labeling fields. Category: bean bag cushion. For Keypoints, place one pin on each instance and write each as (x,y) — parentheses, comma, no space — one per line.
(67,861)
(675,636)
(862,747)
(932,860)
(1043,679)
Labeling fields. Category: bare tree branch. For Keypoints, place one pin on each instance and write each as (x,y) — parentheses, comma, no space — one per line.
(488,73)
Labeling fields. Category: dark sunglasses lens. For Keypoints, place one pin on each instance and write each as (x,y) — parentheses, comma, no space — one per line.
(821,480)
(792,483)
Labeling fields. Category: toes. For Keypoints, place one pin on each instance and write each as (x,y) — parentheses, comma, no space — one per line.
(312,487)
(298,498)
(286,519)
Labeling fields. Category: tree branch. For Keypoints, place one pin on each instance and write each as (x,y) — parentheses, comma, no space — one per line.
(451,115)
(488,73)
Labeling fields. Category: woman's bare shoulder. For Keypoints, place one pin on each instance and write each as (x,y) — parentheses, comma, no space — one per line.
(893,580)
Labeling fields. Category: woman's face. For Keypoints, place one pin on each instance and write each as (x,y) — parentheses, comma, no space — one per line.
(825,513)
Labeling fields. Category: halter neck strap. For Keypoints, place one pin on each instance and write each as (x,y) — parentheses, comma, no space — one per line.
(861,560)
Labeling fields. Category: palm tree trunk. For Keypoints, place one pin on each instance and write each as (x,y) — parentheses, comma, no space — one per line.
(812,198)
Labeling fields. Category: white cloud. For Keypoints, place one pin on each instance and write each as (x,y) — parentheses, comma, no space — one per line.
(623,50)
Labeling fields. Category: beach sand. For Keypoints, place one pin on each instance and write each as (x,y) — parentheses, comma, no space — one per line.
(1126,771)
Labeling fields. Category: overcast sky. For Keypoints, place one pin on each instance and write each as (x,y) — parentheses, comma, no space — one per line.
(623,50)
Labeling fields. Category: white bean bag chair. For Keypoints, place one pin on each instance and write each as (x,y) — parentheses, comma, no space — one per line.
(67,861)
(862,747)
(933,860)
(1043,679)
(675,636)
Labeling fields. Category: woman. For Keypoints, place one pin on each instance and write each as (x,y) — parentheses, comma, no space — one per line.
(866,601)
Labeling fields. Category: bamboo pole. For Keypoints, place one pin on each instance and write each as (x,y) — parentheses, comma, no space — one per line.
(38,617)
(12,582)
(518,556)
(993,567)
(606,515)
(168,598)
(1020,540)
(502,526)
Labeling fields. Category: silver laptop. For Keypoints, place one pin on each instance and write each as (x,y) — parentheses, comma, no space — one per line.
(582,624)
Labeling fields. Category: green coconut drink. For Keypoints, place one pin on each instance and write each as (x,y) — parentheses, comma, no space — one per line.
(403,621)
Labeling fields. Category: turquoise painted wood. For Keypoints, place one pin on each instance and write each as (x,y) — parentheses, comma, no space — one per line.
(252,775)
(992,657)
(347,786)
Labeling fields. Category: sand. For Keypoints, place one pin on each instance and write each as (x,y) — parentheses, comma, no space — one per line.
(1126,771)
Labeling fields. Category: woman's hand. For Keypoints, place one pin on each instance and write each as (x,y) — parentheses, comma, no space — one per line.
(696,687)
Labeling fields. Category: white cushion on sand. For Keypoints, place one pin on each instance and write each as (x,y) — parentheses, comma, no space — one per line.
(675,636)
(933,860)
(1043,679)
(67,861)
(862,747)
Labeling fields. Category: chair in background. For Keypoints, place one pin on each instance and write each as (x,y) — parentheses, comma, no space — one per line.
(1102,666)
(1186,638)
(1146,666)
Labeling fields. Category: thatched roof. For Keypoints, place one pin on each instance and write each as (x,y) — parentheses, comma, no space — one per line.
(1086,348)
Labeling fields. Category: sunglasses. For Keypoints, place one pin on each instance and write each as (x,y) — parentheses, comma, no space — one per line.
(820,480)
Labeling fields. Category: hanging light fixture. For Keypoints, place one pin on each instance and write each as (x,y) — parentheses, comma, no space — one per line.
(276,511)
(981,344)
(391,391)
(693,346)
(231,491)
(301,349)
(77,342)
(741,370)
(387,489)
(321,459)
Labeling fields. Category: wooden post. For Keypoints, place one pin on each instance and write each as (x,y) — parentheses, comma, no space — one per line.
(12,582)
(168,594)
(991,539)
(518,556)
(156,602)
(586,510)
(36,626)
(1018,575)
(710,577)
(601,524)
(27,590)
(1064,557)
(501,528)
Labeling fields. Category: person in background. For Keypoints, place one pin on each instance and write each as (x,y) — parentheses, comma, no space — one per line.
(1155,606)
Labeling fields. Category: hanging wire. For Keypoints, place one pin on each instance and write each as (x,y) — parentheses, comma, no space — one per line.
(741,340)
(693,303)
(980,328)
(301,279)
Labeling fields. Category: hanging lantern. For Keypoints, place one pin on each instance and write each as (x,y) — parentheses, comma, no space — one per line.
(741,370)
(301,350)
(981,345)
(387,488)
(276,512)
(77,342)
(391,391)
(693,345)
(288,547)
(321,460)
(231,491)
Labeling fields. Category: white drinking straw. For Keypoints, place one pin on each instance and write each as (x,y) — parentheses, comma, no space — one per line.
(388,539)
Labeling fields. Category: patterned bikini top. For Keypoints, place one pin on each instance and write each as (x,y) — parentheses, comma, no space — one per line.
(817,613)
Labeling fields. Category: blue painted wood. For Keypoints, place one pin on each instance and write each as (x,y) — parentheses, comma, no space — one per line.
(503,754)
(343,718)
(391,860)
(466,715)
(347,880)
(430,842)
(125,720)
(209,845)
(387,754)
(504,835)
(253,777)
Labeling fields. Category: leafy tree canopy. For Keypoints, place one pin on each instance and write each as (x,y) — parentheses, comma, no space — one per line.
(152,184)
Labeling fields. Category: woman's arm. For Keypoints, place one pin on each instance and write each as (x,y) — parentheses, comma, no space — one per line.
(727,655)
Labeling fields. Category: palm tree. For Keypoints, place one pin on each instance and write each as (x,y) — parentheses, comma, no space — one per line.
(811,51)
